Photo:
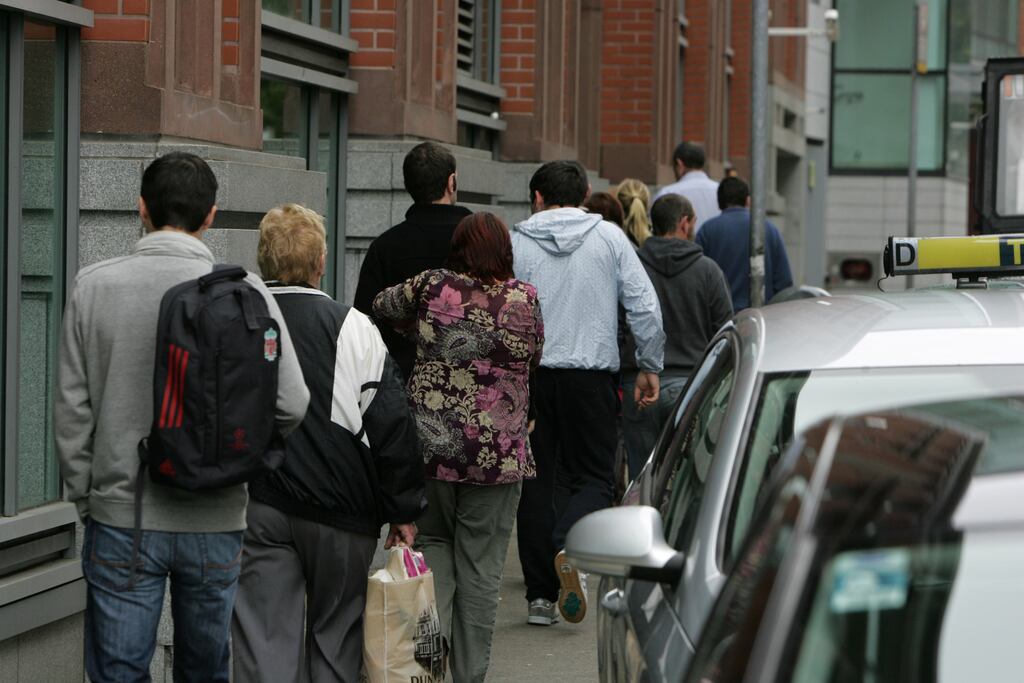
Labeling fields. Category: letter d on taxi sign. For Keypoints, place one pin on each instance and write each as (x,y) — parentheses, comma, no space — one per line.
(905,255)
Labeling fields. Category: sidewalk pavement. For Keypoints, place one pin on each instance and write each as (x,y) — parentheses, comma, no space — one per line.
(520,652)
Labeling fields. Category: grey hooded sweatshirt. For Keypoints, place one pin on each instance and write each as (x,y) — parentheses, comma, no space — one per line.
(104,401)
(583,267)
(694,298)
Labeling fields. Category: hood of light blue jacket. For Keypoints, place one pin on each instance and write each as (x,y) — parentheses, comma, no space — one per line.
(583,268)
(559,231)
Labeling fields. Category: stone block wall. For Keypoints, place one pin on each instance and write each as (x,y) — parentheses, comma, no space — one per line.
(53,653)
(250,183)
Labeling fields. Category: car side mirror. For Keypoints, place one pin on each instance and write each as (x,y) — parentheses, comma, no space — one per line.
(627,542)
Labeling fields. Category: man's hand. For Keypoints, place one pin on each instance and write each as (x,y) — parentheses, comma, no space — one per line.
(401,534)
(647,388)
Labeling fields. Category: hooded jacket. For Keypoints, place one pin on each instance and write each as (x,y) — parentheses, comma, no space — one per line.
(694,297)
(583,267)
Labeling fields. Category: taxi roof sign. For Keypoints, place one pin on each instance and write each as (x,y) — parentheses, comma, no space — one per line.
(975,256)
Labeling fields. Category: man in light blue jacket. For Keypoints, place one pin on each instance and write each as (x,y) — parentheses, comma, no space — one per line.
(583,267)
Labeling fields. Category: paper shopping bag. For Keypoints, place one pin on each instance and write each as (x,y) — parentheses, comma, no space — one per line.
(401,630)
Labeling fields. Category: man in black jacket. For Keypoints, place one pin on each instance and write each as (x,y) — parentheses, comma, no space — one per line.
(695,303)
(420,242)
(351,466)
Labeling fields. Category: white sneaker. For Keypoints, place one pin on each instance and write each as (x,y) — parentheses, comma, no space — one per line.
(542,613)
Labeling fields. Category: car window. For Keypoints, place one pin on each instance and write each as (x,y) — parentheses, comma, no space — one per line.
(771,432)
(728,640)
(789,402)
(691,454)
(668,444)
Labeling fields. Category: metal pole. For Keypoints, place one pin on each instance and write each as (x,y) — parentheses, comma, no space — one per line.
(758,151)
(912,161)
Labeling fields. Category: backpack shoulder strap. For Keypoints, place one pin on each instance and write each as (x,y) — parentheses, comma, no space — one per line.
(222,271)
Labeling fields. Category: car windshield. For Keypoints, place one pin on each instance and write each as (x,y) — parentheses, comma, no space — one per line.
(941,611)
(791,402)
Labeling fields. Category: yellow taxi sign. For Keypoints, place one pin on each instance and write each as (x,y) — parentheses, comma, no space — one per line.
(980,255)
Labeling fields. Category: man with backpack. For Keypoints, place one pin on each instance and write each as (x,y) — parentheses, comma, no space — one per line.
(105,408)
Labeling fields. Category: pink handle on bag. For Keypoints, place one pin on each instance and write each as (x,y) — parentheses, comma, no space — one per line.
(415,565)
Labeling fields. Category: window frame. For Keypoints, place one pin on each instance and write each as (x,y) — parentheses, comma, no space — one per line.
(478,101)
(311,9)
(944,73)
(42,581)
(316,60)
(67,96)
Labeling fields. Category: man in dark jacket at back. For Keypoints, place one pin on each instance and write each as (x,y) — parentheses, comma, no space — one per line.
(418,243)
(695,303)
(726,240)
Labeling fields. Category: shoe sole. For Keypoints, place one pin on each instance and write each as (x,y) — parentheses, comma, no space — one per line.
(540,621)
(572,601)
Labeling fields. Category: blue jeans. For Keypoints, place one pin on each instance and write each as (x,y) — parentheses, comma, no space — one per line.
(121,616)
(641,428)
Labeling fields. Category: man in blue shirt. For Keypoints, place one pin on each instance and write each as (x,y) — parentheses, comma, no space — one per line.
(726,240)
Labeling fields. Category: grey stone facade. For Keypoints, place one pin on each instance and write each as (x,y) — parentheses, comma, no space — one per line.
(253,182)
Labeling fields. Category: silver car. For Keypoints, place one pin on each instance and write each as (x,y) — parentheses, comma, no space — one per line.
(891,549)
(767,375)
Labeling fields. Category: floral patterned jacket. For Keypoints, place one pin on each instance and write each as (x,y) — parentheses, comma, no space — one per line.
(476,345)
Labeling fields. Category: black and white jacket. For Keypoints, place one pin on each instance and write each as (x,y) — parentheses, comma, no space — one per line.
(352,463)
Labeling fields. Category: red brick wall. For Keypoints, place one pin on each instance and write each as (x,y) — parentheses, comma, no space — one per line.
(518,48)
(229,33)
(187,69)
(118,20)
(740,86)
(788,55)
(373,26)
(627,83)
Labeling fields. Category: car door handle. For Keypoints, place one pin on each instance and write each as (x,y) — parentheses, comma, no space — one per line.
(614,601)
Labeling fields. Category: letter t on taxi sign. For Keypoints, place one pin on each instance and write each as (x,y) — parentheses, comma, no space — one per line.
(1016,243)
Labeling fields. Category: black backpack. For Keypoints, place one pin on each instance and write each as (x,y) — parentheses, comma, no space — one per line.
(214,385)
(214,389)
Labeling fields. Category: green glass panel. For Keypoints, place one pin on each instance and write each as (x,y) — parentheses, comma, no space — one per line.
(38,475)
(295,9)
(330,14)
(878,34)
(871,122)
(283,118)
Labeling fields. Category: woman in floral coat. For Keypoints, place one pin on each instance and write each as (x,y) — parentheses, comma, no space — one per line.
(479,333)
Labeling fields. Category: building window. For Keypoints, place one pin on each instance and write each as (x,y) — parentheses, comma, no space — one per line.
(478,94)
(39,145)
(330,15)
(39,117)
(871,89)
(978,30)
(477,39)
(304,92)
(41,238)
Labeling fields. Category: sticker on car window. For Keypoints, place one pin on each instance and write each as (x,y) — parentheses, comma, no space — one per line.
(868,581)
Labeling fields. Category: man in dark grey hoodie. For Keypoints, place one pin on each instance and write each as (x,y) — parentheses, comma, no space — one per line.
(695,303)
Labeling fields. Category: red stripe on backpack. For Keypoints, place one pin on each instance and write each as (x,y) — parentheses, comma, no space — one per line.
(168,386)
(181,387)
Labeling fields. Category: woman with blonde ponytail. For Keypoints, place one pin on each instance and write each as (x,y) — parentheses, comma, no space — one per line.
(635,199)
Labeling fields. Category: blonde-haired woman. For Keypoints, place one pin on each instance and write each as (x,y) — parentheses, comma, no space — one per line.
(636,200)
(351,466)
